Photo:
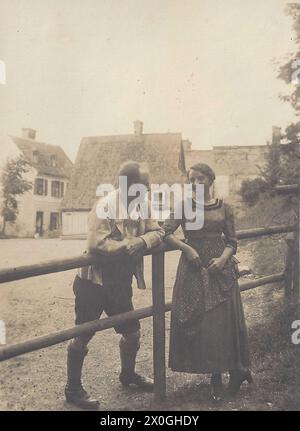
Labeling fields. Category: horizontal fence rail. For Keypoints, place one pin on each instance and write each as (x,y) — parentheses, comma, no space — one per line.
(67,334)
(48,340)
(58,265)
(287,188)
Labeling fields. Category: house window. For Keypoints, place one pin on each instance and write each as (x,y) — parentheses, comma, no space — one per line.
(53,161)
(41,187)
(54,221)
(57,189)
(35,156)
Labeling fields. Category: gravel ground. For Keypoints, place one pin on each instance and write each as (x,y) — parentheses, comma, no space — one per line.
(41,305)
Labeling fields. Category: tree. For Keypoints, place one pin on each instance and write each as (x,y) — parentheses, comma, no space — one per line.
(290,70)
(13,185)
(290,155)
(282,166)
(271,171)
(290,73)
(282,161)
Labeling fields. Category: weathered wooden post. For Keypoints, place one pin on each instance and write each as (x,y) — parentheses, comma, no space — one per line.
(289,267)
(293,258)
(296,266)
(158,300)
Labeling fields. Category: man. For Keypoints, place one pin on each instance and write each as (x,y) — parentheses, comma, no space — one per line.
(108,287)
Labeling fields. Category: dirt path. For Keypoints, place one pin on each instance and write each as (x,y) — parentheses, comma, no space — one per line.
(44,304)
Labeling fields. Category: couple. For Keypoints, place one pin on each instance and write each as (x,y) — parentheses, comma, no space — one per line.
(208,330)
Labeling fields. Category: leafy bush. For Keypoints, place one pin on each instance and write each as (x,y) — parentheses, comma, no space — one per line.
(251,189)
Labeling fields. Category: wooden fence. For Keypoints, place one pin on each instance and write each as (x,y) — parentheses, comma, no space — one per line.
(159,307)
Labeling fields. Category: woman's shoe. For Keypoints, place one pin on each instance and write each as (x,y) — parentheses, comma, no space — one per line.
(216,387)
(236,380)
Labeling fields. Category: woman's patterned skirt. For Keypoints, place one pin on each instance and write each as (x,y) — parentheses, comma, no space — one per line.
(208,329)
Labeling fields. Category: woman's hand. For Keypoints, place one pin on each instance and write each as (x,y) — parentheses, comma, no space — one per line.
(217,263)
(193,257)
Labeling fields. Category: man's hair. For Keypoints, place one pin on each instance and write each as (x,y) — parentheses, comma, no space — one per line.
(131,170)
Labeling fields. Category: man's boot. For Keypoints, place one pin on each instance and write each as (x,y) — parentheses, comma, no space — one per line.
(74,391)
(129,346)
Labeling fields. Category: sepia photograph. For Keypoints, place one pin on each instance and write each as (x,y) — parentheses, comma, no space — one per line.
(149,208)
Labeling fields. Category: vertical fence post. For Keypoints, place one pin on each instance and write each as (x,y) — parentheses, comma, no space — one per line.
(296,269)
(289,267)
(158,299)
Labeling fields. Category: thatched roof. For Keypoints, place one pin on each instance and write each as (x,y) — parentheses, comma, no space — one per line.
(99,159)
(44,166)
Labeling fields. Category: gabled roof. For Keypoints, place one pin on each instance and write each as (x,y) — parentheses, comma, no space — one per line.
(99,159)
(44,166)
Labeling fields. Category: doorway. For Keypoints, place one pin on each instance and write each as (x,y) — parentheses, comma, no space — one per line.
(39,222)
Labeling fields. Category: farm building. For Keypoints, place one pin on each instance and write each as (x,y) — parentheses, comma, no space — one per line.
(232,164)
(98,161)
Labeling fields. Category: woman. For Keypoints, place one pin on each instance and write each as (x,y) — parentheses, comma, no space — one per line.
(208,330)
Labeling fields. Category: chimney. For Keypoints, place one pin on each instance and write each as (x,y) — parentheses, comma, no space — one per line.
(276,135)
(187,145)
(28,133)
(138,127)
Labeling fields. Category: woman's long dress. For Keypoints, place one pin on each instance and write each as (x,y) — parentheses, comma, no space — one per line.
(208,329)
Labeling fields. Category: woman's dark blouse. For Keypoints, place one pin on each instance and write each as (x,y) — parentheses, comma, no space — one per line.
(218,223)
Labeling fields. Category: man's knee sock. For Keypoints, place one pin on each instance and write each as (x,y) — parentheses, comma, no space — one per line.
(129,346)
(76,355)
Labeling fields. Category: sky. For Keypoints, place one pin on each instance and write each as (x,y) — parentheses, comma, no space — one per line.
(204,68)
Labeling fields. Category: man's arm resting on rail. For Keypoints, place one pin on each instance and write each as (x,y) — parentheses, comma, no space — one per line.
(100,241)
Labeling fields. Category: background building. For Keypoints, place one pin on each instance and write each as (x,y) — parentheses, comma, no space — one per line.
(98,161)
(49,172)
(232,165)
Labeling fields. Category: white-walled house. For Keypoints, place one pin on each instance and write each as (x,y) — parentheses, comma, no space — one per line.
(49,172)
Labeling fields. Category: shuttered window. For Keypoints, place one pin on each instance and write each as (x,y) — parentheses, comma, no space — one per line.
(57,189)
(41,187)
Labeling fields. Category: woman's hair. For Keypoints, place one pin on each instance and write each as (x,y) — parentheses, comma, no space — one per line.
(204,169)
